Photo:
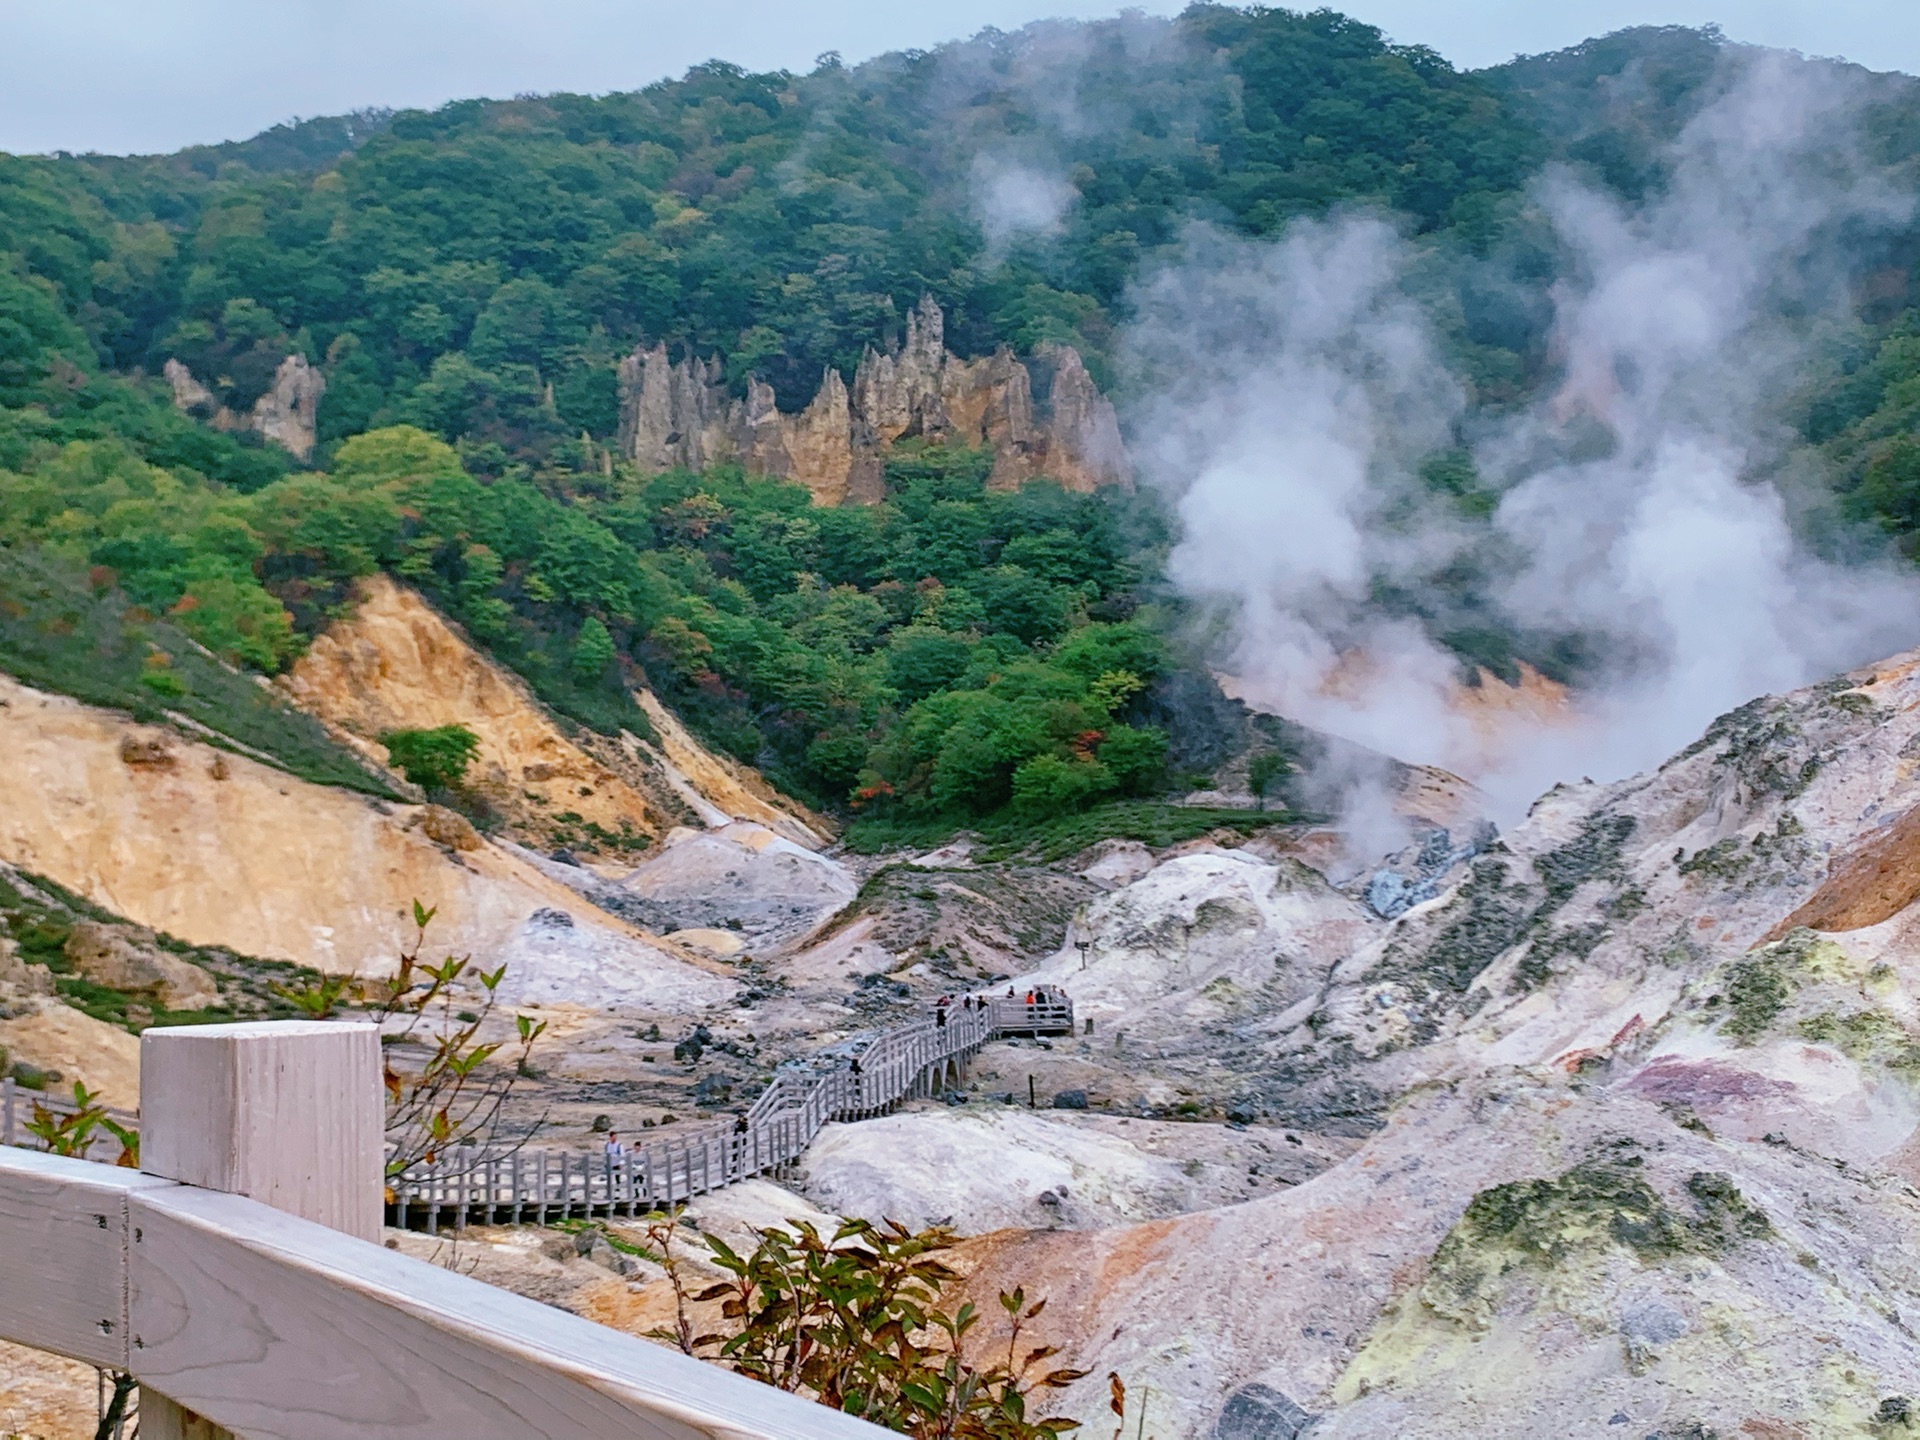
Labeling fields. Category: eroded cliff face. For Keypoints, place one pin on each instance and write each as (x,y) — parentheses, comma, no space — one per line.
(218,849)
(1648,1127)
(678,414)
(287,414)
(397,664)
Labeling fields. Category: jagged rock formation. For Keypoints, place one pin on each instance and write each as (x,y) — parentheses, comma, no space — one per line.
(677,414)
(287,414)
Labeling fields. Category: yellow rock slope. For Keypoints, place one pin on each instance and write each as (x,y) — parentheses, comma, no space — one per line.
(397,664)
(218,849)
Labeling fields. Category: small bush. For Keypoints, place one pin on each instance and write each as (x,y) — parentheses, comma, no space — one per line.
(432,759)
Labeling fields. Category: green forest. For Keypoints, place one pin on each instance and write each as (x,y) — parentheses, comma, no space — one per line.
(467,279)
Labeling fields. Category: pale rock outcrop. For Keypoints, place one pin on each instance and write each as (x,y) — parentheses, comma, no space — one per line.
(121,958)
(741,879)
(1203,936)
(288,414)
(984,1167)
(270,865)
(1337,1294)
(678,414)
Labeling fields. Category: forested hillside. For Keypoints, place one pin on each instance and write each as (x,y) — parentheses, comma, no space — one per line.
(467,280)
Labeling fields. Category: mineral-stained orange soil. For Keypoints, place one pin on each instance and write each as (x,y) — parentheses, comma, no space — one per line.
(1871,883)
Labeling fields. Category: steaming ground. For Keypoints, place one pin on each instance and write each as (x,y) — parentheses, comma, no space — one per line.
(1636,514)
(1615,1116)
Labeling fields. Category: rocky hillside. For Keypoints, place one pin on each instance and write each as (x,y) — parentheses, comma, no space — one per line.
(1608,1121)
(1638,1096)
(395,664)
(1612,1124)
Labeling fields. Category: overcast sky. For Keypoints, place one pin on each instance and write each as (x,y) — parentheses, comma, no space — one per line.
(151,75)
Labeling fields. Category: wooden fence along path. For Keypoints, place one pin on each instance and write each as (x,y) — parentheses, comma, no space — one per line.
(238,1275)
(921,1059)
(239,1278)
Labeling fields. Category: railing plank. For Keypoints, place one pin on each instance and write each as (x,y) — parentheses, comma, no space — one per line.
(63,1236)
(283,1330)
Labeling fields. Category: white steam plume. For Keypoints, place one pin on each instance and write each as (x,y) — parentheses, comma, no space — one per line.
(1015,198)
(1305,386)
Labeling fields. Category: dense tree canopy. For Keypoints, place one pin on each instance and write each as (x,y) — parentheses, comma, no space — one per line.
(476,270)
(468,278)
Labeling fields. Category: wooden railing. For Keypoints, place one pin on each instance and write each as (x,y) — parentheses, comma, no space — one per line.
(521,1184)
(919,1059)
(240,1318)
(220,1277)
(537,1185)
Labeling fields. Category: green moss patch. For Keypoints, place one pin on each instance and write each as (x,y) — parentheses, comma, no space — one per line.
(1597,1205)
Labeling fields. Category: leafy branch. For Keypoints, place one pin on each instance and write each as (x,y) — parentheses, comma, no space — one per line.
(855,1320)
(71,1133)
(455,1097)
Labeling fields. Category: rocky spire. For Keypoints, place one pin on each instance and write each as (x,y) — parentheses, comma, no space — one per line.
(679,414)
(288,414)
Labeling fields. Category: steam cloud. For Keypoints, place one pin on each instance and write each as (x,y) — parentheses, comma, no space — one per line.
(1646,504)
(1014,198)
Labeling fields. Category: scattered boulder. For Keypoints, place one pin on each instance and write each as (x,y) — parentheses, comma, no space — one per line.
(449,828)
(146,752)
(1259,1412)
(1114,863)
(1070,1100)
(18,978)
(721,944)
(122,958)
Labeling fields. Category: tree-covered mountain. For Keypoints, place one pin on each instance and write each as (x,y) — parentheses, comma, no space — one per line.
(467,279)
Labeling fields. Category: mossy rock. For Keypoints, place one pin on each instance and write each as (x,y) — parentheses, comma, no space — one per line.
(1596,1206)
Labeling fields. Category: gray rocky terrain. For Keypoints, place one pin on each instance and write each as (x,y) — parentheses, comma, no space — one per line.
(1610,1129)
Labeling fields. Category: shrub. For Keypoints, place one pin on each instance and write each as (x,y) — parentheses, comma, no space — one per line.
(432,759)
(1048,785)
(855,1320)
(1137,758)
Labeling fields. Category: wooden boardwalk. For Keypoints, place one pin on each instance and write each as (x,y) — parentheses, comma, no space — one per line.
(921,1059)
(473,1186)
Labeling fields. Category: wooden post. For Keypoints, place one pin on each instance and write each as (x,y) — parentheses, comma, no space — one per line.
(289,1113)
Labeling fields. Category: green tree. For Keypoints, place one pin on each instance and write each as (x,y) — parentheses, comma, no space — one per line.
(592,650)
(434,759)
(1262,770)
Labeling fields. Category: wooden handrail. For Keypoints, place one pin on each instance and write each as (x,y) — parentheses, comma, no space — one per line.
(781,1123)
(281,1329)
(540,1185)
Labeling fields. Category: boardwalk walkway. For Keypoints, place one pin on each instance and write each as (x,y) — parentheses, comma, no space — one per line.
(920,1059)
(468,1185)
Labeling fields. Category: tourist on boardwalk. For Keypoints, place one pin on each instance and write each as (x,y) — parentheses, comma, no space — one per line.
(737,1164)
